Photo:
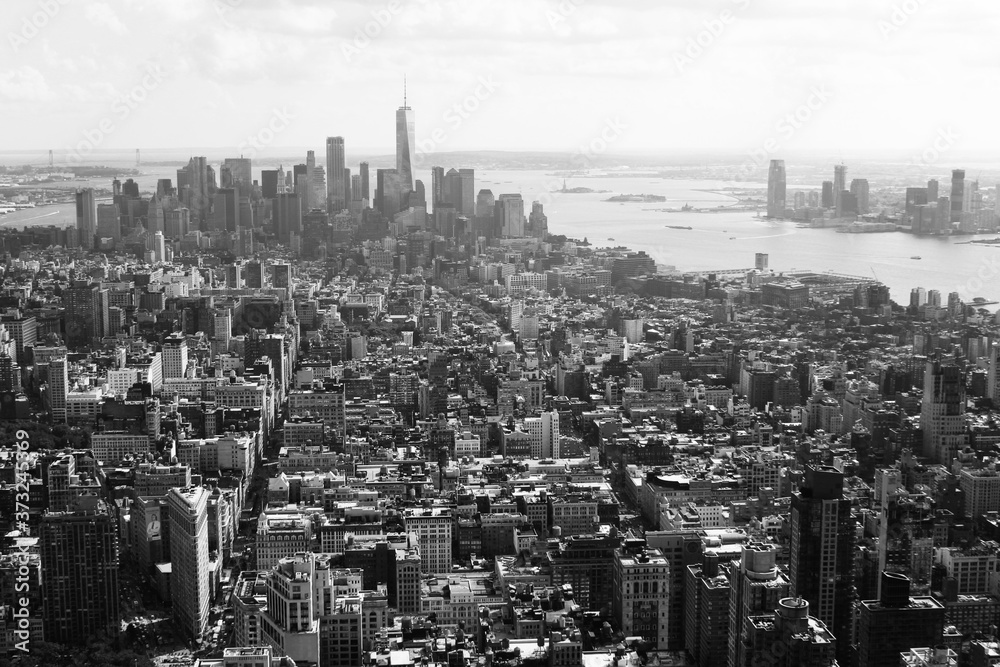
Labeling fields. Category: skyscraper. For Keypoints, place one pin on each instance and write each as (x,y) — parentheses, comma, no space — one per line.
(509,219)
(942,409)
(225,210)
(86,313)
(236,173)
(859,188)
(194,182)
(109,223)
(86,217)
(932,190)
(189,585)
(896,622)
(405,144)
(80,573)
(335,163)
(821,569)
(438,187)
(839,183)
(287,214)
(957,194)
(776,189)
(175,356)
(756,587)
(827,196)
(58,388)
(366,193)
(466,203)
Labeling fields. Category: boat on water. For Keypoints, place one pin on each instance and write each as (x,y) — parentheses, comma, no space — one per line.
(677,227)
(610,239)
(732,238)
(916,257)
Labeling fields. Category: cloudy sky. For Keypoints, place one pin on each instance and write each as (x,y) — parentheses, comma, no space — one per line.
(671,76)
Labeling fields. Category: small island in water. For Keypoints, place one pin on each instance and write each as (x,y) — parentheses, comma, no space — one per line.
(577,190)
(642,199)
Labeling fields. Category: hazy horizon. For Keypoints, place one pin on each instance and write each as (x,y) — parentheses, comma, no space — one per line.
(674,76)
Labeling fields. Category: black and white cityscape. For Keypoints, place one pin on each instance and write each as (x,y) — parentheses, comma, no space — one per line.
(522,333)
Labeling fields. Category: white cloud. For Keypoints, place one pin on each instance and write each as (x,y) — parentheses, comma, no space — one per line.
(102,15)
(25,84)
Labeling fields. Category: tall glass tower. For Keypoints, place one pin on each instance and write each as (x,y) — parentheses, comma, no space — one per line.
(404,143)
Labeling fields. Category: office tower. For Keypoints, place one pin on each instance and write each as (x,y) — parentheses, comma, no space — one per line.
(300,592)
(776,189)
(756,587)
(24,331)
(538,222)
(109,224)
(957,194)
(239,174)
(335,162)
(348,190)
(706,611)
(821,568)
(433,529)
(971,200)
(86,217)
(827,197)
(790,637)
(287,214)
(356,188)
(225,210)
(405,144)
(58,388)
(175,356)
(194,183)
(681,548)
(641,592)
(509,216)
(942,410)
(365,183)
(164,187)
(269,183)
(438,187)
(281,276)
(155,215)
(934,298)
(159,247)
(389,193)
(176,223)
(80,574)
(915,197)
(932,190)
(839,184)
(466,203)
(859,188)
(799,199)
(86,313)
(189,574)
(485,204)
(896,622)
(760,261)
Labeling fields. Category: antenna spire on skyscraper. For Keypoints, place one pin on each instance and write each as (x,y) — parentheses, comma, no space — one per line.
(404,91)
